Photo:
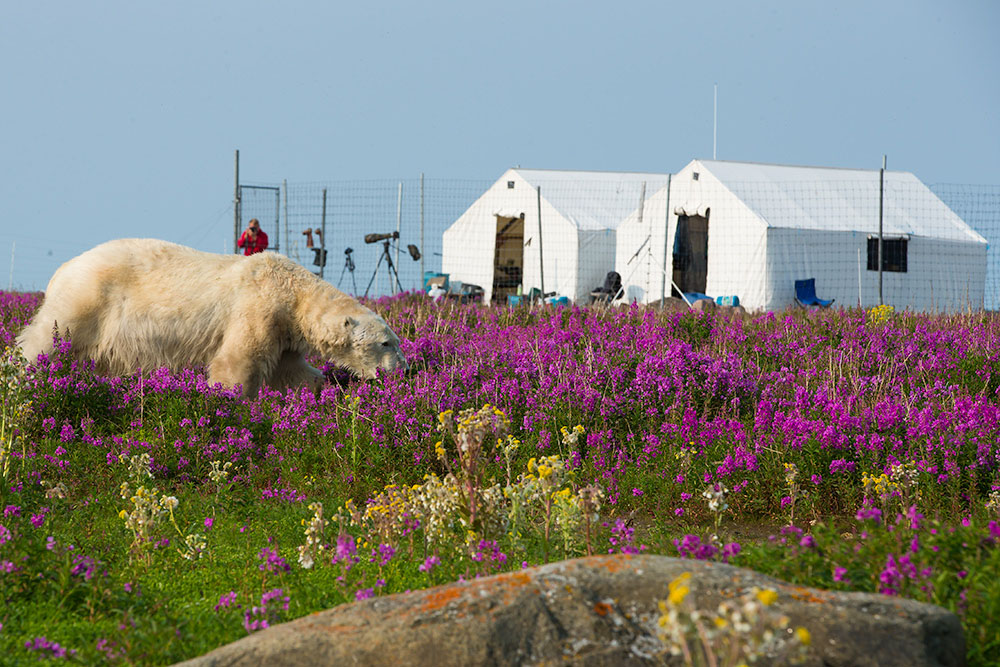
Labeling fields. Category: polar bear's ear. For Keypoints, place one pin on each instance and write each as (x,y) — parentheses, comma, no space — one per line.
(350,322)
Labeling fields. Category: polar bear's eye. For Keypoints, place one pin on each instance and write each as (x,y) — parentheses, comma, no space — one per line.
(387,343)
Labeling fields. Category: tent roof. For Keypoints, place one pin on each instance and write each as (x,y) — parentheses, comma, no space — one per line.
(593,200)
(825,198)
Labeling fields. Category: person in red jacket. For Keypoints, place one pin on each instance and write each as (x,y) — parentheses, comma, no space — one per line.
(253,239)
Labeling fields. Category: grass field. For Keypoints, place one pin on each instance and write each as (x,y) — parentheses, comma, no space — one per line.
(151,518)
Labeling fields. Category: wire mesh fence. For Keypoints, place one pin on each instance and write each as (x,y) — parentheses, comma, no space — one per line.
(687,235)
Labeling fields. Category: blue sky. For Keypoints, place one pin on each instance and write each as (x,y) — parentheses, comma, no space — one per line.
(121,118)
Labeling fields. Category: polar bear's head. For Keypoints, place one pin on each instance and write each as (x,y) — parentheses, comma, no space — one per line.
(371,345)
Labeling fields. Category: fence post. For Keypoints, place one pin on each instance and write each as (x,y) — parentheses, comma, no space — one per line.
(322,238)
(666,238)
(541,258)
(399,218)
(423,250)
(284,187)
(236,205)
(649,249)
(881,198)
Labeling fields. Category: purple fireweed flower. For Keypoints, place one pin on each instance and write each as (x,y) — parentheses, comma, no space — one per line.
(48,649)
(807,542)
(622,537)
(345,549)
(272,561)
(209,522)
(872,513)
(5,535)
(385,554)
(890,577)
(840,574)
(11,510)
(429,564)
(38,519)
(994,530)
(364,593)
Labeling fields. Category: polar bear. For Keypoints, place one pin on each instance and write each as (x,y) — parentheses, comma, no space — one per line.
(143,303)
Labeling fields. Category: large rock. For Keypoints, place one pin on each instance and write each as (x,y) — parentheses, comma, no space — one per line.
(600,610)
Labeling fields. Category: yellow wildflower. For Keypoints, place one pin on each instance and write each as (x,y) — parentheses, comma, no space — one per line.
(803,635)
(767,597)
(678,594)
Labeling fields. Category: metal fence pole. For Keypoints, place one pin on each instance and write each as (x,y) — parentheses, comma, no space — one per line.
(666,238)
(284,188)
(649,254)
(399,219)
(881,199)
(541,258)
(277,220)
(423,250)
(236,205)
(322,238)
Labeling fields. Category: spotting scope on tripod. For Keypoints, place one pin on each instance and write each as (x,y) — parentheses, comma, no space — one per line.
(386,240)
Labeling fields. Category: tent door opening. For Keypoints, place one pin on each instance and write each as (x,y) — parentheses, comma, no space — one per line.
(690,271)
(508,259)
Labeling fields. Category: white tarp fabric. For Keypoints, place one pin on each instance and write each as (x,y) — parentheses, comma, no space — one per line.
(770,225)
(580,212)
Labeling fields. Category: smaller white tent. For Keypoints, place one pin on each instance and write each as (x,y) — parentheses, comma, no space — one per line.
(751,230)
(497,242)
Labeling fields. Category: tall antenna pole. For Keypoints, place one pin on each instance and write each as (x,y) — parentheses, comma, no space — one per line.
(715,121)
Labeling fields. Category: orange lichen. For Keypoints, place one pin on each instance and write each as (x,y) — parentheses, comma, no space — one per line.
(437,598)
(602,609)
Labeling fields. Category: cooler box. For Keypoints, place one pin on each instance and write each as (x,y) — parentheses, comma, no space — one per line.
(727,300)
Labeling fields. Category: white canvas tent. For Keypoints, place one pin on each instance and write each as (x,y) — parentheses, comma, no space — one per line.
(496,243)
(751,230)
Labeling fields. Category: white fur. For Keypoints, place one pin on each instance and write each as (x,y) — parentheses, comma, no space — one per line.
(144,303)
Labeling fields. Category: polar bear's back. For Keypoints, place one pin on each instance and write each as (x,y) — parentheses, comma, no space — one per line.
(141,303)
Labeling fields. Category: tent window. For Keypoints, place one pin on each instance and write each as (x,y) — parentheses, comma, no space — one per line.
(893,254)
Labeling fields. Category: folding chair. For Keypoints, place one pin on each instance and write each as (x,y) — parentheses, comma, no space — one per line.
(805,294)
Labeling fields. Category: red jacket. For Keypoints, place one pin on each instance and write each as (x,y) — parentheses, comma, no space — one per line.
(259,244)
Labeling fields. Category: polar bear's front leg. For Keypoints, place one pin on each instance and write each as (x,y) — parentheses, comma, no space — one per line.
(233,366)
(293,371)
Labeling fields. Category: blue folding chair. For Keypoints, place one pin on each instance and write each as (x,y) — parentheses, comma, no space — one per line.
(805,294)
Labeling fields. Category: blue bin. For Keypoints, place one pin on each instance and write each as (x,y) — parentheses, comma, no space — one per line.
(513,300)
(727,300)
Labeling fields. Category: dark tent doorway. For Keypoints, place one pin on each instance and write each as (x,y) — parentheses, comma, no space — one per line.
(691,254)
(508,260)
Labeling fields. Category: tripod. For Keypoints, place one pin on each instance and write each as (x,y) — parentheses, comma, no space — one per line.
(348,266)
(392,268)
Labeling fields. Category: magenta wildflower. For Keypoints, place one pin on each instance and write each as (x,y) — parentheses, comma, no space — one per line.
(226,600)
(364,593)
(38,519)
(272,561)
(429,564)
(346,548)
(209,522)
